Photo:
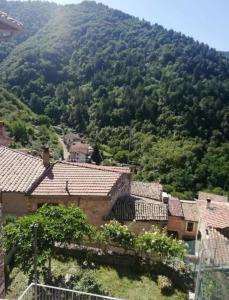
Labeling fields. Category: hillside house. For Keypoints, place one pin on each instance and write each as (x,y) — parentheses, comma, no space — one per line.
(71,138)
(212,246)
(79,152)
(27,182)
(183,217)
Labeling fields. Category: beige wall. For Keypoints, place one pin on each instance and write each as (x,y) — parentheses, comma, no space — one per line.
(188,234)
(14,203)
(140,226)
(95,207)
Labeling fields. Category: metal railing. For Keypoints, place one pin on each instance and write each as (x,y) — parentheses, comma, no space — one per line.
(46,292)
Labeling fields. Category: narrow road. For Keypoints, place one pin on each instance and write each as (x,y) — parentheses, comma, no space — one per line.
(65,150)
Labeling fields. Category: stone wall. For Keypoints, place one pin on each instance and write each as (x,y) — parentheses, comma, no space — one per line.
(95,207)
(139,226)
(14,204)
(121,188)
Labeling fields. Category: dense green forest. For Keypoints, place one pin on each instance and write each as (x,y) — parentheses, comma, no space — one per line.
(145,95)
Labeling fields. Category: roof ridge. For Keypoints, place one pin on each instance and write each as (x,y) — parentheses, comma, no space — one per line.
(39,179)
(20,152)
(90,166)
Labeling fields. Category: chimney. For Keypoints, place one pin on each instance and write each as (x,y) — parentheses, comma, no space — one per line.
(46,157)
(208,203)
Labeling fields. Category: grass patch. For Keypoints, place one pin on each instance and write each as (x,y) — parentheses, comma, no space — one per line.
(115,281)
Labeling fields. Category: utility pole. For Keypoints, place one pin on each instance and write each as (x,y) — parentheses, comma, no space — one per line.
(35,261)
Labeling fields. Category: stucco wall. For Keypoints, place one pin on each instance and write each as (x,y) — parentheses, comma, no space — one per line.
(95,207)
(179,225)
(190,235)
(176,224)
(14,203)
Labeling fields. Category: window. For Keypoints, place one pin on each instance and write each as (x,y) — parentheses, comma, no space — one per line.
(190,226)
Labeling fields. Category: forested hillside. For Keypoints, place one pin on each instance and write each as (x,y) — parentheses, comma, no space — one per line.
(34,15)
(147,96)
(29,130)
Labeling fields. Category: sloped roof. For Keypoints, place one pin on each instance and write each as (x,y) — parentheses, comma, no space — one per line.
(175,207)
(64,178)
(214,198)
(79,148)
(18,170)
(103,168)
(150,190)
(217,247)
(190,210)
(130,208)
(217,215)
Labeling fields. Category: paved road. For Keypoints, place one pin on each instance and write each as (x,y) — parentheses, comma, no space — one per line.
(65,150)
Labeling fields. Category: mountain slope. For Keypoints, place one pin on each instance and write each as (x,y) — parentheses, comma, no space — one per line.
(33,14)
(28,130)
(131,87)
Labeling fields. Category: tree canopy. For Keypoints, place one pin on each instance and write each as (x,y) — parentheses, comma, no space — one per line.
(116,78)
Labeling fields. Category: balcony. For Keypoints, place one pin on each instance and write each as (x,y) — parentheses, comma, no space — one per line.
(46,292)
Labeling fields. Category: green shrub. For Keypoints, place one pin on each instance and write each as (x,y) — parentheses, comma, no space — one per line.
(164,283)
(115,233)
(89,284)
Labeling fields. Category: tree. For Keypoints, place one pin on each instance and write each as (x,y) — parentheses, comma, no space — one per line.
(54,224)
(158,243)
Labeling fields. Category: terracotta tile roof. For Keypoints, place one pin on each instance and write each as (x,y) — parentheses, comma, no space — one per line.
(64,178)
(103,168)
(190,210)
(217,248)
(79,148)
(214,198)
(131,208)
(175,207)
(150,190)
(18,170)
(217,215)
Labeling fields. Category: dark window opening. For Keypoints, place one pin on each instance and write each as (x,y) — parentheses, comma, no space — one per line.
(190,226)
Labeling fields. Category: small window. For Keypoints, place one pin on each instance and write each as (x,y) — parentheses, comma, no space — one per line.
(190,226)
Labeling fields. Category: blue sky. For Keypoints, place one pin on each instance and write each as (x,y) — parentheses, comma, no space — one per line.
(204,20)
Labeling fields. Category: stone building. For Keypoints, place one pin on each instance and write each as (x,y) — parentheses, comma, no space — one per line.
(27,182)
(79,152)
(139,213)
(183,217)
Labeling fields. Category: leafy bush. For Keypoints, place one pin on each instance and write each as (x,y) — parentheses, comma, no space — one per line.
(157,242)
(88,283)
(164,283)
(118,234)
